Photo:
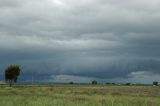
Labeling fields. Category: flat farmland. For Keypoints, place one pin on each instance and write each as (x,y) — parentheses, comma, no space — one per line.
(79,95)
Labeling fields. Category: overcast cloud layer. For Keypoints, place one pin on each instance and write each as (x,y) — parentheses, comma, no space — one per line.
(81,40)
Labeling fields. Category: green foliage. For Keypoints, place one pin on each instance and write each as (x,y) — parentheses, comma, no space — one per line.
(11,73)
(94,82)
(128,84)
(155,83)
(71,83)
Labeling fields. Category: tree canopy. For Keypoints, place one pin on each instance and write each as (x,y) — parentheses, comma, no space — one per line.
(12,72)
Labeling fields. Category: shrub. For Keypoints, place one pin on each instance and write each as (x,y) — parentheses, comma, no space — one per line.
(71,83)
(155,83)
(94,82)
(128,84)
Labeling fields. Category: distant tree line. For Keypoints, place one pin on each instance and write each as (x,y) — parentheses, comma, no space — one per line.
(13,71)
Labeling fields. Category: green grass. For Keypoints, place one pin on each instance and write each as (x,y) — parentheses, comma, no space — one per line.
(79,95)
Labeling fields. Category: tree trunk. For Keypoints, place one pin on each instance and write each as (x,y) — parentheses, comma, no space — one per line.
(10,83)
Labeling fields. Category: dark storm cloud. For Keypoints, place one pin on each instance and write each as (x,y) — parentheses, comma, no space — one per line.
(87,38)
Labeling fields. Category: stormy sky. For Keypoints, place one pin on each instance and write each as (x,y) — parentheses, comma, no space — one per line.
(81,40)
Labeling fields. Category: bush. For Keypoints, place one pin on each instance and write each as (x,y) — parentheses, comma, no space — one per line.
(128,84)
(155,83)
(94,82)
(108,83)
(71,83)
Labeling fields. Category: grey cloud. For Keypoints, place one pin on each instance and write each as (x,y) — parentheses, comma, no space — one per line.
(91,38)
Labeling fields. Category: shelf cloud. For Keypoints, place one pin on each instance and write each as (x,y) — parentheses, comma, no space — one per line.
(107,40)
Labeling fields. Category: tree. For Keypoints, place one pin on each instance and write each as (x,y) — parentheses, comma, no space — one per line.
(71,83)
(128,84)
(11,73)
(94,82)
(155,83)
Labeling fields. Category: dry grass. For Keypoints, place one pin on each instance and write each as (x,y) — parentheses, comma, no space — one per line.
(79,95)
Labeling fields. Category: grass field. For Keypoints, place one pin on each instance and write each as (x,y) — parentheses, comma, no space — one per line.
(79,95)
